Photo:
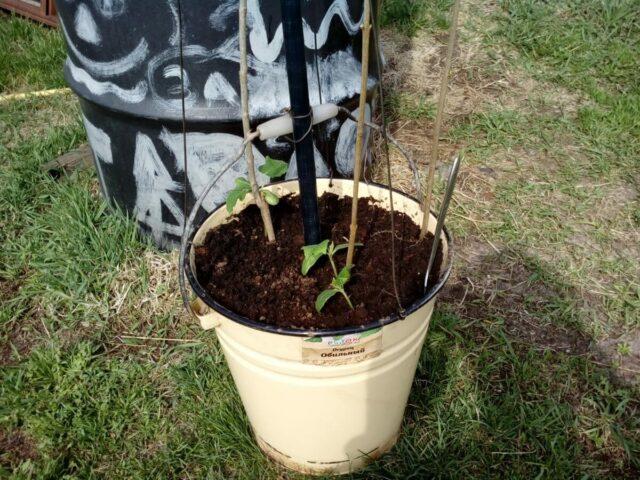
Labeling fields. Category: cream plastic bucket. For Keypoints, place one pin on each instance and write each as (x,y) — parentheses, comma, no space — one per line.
(322,402)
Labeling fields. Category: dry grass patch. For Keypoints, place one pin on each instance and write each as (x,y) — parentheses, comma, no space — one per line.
(34,117)
(146,310)
(528,189)
(154,280)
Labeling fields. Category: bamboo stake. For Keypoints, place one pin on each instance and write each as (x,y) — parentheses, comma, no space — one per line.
(246,126)
(444,86)
(357,171)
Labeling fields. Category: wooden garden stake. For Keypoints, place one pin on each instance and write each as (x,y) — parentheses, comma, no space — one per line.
(444,86)
(244,99)
(357,170)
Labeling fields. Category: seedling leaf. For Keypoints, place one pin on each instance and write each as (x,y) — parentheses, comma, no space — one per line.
(324,297)
(273,168)
(270,197)
(341,280)
(312,253)
(243,183)
(238,193)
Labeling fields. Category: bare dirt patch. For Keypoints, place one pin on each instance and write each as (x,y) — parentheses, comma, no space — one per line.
(8,288)
(16,341)
(15,448)
(18,337)
(622,354)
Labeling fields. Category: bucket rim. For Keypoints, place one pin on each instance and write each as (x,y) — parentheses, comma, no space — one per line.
(200,291)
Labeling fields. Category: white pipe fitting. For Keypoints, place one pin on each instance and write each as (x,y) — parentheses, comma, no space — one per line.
(283,125)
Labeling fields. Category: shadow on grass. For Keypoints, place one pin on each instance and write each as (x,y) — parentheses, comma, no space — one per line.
(506,387)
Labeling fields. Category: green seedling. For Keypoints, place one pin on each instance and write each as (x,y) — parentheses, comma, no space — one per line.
(313,253)
(337,286)
(271,168)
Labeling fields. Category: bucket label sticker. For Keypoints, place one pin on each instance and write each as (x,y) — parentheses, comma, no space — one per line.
(342,349)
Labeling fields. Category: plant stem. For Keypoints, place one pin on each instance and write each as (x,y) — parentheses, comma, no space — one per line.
(444,86)
(246,126)
(333,265)
(346,297)
(357,170)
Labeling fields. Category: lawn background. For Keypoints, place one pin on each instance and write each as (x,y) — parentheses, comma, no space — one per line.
(528,367)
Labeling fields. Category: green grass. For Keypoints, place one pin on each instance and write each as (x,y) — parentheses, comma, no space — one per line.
(589,44)
(95,415)
(592,47)
(569,166)
(482,406)
(413,107)
(489,400)
(537,206)
(411,16)
(31,57)
(60,243)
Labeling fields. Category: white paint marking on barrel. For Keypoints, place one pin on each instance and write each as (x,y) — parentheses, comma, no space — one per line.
(219,19)
(339,78)
(321,167)
(207,154)
(86,27)
(218,89)
(111,67)
(345,146)
(174,39)
(132,95)
(110,8)
(268,52)
(100,143)
(263,50)
(339,8)
(154,186)
(181,81)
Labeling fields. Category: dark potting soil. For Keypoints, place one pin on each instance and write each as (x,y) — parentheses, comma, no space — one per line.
(263,282)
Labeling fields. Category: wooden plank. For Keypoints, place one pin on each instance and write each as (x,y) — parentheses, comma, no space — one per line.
(79,158)
(40,10)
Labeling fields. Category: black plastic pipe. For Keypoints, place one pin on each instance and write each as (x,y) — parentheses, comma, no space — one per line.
(301,112)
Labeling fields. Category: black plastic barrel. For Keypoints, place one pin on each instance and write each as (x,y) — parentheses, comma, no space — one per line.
(124,64)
